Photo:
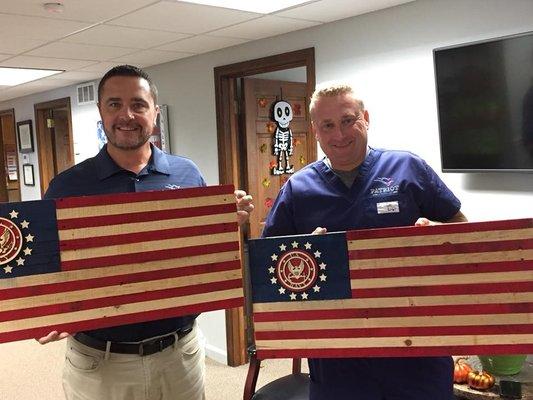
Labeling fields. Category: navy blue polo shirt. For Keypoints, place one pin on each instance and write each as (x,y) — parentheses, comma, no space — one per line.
(101,175)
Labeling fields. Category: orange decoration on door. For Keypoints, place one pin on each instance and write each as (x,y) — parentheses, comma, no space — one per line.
(271,127)
(262,102)
(263,148)
(266,182)
(268,202)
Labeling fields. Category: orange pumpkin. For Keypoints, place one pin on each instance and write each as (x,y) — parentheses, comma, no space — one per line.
(461,370)
(480,380)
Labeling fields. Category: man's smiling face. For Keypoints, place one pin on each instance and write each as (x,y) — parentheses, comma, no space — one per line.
(340,126)
(128,111)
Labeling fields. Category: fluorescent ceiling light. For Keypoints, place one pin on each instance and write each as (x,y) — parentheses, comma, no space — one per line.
(17,76)
(258,6)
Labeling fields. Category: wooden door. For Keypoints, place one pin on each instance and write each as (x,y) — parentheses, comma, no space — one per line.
(10,190)
(54,139)
(63,155)
(259,97)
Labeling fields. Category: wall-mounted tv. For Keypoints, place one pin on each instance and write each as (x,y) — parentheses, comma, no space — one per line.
(485,105)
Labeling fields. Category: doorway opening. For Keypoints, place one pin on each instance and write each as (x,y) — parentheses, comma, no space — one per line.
(244,96)
(10,185)
(54,139)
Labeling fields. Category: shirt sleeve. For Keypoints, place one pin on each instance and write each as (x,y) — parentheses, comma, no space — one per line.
(53,192)
(439,203)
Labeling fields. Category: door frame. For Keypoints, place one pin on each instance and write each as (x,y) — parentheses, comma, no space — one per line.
(38,107)
(10,112)
(229,164)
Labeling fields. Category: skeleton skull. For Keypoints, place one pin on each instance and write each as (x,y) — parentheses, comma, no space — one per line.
(282,113)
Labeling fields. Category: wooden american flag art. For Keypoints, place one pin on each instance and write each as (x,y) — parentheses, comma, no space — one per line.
(82,263)
(412,291)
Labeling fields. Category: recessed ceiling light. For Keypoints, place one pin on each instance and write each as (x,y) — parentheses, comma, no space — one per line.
(17,76)
(263,7)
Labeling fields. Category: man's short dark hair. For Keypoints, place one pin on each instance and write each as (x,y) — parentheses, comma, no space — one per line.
(127,70)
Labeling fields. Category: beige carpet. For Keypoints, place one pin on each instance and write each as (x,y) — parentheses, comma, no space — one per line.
(29,371)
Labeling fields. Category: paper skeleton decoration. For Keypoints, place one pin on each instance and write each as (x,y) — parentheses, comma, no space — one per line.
(282,147)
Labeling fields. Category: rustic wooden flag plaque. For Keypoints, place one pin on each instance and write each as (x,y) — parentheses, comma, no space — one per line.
(81,263)
(448,289)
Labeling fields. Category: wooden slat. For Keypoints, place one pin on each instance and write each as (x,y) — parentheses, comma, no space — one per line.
(91,273)
(70,255)
(403,342)
(447,259)
(114,209)
(425,240)
(108,312)
(492,298)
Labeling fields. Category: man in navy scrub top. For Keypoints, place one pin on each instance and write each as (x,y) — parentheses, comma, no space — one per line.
(357,187)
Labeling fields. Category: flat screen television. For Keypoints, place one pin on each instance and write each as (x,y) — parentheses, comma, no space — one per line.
(485,105)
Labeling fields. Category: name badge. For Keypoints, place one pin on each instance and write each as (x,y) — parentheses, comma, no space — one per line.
(388,207)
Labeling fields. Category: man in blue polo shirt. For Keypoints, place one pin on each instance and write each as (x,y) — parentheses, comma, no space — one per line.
(358,187)
(106,364)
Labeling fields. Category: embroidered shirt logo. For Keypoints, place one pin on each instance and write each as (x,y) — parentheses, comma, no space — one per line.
(384,187)
(385,181)
(171,186)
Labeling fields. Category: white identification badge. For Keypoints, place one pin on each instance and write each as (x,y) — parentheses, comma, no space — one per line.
(388,207)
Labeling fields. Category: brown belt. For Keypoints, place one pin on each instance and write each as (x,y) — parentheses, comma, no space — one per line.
(142,349)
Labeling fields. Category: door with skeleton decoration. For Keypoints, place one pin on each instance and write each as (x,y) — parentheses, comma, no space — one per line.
(277,136)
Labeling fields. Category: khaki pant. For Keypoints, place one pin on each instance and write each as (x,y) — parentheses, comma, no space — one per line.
(176,373)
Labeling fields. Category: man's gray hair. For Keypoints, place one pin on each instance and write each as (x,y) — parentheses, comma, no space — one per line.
(332,89)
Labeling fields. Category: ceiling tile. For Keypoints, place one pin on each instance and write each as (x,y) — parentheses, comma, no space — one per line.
(41,85)
(18,44)
(36,28)
(78,10)
(76,76)
(201,44)
(146,58)
(101,67)
(45,63)
(332,10)
(121,36)
(264,27)
(80,51)
(183,17)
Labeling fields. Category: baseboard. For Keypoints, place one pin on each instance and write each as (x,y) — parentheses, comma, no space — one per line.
(216,354)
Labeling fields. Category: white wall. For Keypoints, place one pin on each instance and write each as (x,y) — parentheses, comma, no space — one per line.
(388,57)
(83,128)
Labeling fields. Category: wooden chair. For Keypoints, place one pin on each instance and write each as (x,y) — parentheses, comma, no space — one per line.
(294,386)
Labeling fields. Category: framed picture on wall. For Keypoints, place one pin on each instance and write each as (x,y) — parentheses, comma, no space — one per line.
(25,136)
(160,135)
(11,161)
(27,171)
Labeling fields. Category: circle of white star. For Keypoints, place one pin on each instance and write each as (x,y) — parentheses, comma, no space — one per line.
(27,251)
(272,270)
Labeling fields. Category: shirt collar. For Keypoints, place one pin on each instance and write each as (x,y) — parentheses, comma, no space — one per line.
(159,161)
(106,166)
